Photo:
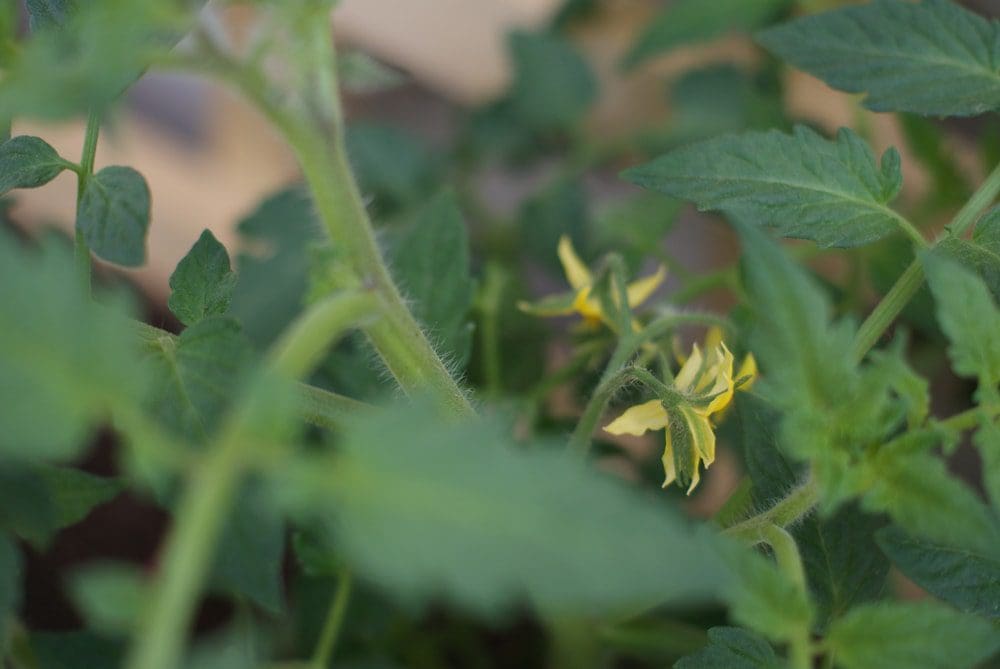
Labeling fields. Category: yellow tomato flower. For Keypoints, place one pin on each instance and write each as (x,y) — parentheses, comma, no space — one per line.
(708,382)
(580,301)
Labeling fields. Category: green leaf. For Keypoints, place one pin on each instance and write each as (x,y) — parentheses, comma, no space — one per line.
(28,162)
(721,99)
(802,184)
(271,286)
(553,84)
(44,14)
(461,511)
(964,578)
(558,209)
(987,440)
(688,21)
(64,361)
(10,584)
(969,317)
(931,57)
(110,596)
(99,50)
(915,488)
(919,635)
(431,266)
(392,166)
(203,283)
(197,375)
(114,215)
(75,650)
(248,559)
(732,648)
(763,598)
(38,500)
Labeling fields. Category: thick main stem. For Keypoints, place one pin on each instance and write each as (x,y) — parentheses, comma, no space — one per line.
(396,336)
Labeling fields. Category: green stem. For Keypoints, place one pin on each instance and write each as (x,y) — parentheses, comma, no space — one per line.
(980,200)
(909,282)
(81,253)
(888,309)
(613,378)
(303,344)
(786,554)
(334,621)
(799,502)
(327,410)
(315,135)
(198,520)
(158,643)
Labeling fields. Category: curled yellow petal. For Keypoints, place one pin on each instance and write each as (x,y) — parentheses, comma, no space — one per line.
(640,419)
(669,469)
(576,272)
(639,291)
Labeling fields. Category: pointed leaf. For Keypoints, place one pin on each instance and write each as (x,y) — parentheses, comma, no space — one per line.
(431,263)
(38,500)
(203,282)
(114,215)
(28,162)
(197,376)
(461,511)
(969,317)
(64,361)
(802,184)
(931,57)
(689,21)
(920,635)
(732,648)
(965,578)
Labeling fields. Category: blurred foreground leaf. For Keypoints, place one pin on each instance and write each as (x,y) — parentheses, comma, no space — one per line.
(426,509)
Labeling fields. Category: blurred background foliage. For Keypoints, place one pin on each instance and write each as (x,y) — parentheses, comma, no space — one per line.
(458,190)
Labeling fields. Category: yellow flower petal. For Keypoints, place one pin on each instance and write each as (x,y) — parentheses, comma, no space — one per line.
(669,470)
(639,291)
(722,381)
(702,435)
(576,272)
(747,368)
(587,306)
(713,337)
(640,419)
(689,371)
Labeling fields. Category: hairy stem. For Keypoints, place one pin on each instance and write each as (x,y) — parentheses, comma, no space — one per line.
(311,124)
(909,282)
(799,502)
(786,554)
(81,253)
(158,643)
